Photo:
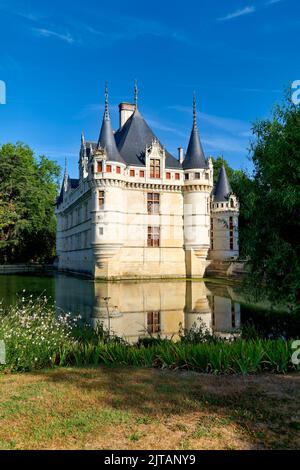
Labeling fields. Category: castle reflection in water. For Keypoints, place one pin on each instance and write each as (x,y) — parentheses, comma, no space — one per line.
(136,309)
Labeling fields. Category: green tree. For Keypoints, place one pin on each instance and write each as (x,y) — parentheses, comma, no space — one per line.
(273,205)
(28,188)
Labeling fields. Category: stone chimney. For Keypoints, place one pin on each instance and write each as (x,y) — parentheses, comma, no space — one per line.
(180,154)
(125,110)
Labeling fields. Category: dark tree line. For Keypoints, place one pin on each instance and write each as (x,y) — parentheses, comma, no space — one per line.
(28,189)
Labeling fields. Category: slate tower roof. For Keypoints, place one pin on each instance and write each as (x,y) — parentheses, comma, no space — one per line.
(106,137)
(223,188)
(194,157)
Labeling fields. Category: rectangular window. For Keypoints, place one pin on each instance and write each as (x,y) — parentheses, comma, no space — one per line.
(186,176)
(154,168)
(153,322)
(142,174)
(230,233)
(153,203)
(132,173)
(197,176)
(101,197)
(153,236)
(108,168)
(118,169)
(177,176)
(168,175)
(99,167)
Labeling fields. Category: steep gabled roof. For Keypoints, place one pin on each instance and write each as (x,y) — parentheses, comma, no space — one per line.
(133,138)
(194,157)
(72,182)
(223,188)
(106,137)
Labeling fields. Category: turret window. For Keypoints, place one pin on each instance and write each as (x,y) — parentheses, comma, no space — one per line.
(101,199)
(108,168)
(231,233)
(153,236)
(99,167)
(168,175)
(154,168)
(142,174)
(186,176)
(153,203)
(118,169)
(177,176)
(132,173)
(197,176)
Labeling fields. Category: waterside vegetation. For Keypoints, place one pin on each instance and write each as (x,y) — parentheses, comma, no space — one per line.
(36,337)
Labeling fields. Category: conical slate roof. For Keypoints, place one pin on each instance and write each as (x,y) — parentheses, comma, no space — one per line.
(194,157)
(107,138)
(134,137)
(223,188)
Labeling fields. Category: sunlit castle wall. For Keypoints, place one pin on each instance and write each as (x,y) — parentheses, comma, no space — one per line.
(196,204)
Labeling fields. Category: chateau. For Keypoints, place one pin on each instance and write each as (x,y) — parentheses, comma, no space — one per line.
(136,211)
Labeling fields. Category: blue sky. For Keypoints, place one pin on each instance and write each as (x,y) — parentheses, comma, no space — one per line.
(239,57)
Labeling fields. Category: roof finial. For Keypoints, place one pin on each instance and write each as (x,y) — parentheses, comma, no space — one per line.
(194,110)
(136,92)
(82,138)
(65,180)
(66,169)
(106,113)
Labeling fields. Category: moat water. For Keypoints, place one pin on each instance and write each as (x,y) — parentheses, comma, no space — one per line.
(133,310)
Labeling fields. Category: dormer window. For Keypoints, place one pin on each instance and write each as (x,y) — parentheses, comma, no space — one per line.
(99,167)
(154,168)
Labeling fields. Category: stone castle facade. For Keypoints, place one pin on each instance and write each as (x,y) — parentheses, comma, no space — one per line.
(136,211)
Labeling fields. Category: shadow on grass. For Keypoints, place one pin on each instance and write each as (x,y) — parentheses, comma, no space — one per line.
(264,408)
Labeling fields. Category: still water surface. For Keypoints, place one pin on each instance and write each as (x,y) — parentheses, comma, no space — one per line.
(136,309)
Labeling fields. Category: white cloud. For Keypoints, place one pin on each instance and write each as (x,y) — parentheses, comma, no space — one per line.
(232,126)
(237,13)
(272,2)
(47,33)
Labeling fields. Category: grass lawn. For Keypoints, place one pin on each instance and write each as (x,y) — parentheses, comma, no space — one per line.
(129,408)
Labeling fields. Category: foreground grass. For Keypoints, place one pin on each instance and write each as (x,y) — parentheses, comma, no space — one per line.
(135,408)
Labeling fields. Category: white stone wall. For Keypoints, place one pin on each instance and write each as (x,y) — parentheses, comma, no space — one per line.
(221,231)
